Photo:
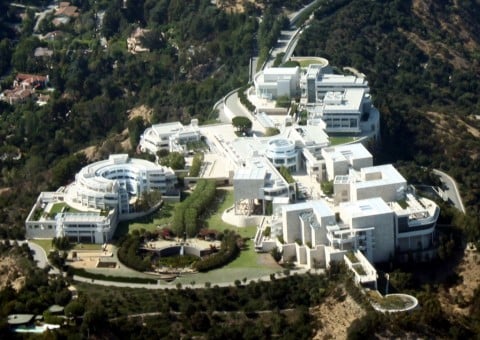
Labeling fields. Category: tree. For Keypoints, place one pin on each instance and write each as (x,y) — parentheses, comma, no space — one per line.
(272,132)
(74,309)
(66,168)
(242,124)
(174,160)
(327,187)
(112,20)
(136,126)
(153,40)
(5,55)
(283,101)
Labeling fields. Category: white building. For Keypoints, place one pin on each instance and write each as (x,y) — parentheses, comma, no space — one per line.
(90,226)
(341,158)
(370,223)
(314,236)
(416,219)
(275,82)
(259,181)
(169,136)
(118,182)
(103,193)
(316,82)
(377,217)
(282,152)
(376,181)
(341,102)
(342,111)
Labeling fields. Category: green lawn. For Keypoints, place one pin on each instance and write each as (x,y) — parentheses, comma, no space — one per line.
(248,258)
(57,207)
(46,244)
(164,217)
(215,220)
(340,140)
(307,62)
(161,217)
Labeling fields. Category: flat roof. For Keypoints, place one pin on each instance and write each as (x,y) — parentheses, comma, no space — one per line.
(366,207)
(281,70)
(319,207)
(167,128)
(309,135)
(251,172)
(329,79)
(351,101)
(20,319)
(389,175)
(347,151)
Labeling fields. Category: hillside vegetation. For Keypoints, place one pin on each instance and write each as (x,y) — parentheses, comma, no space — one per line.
(422,60)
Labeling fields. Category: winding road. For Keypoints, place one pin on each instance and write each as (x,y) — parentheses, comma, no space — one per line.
(451,189)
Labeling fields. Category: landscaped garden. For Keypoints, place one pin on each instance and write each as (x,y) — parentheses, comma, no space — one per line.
(392,302)
(235,258)
(337,140)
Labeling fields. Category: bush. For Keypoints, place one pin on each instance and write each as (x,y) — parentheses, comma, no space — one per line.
(187,217)
(229,250)
(196,165)
(267,232)
(128,253)
(286,174)
(272,132)
(244,100)
(327,187)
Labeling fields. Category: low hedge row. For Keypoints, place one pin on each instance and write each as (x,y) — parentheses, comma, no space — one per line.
(83,273)
(229,250)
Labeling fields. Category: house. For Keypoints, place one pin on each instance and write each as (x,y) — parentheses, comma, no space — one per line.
(134,42)
(42,52)
(23,88)
(65,9)
(31,81)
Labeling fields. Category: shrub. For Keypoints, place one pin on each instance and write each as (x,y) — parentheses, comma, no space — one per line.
(228,252)
(196,165)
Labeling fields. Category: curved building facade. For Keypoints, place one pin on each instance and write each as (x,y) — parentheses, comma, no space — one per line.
(282,152)
(117,182)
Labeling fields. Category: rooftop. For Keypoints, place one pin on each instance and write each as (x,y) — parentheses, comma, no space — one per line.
(319,207)
(281,71)
(340,79)
(347,152)
(253,171)
(380,174)
(366,207)
(349,100)
(167,128)
(20,319)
